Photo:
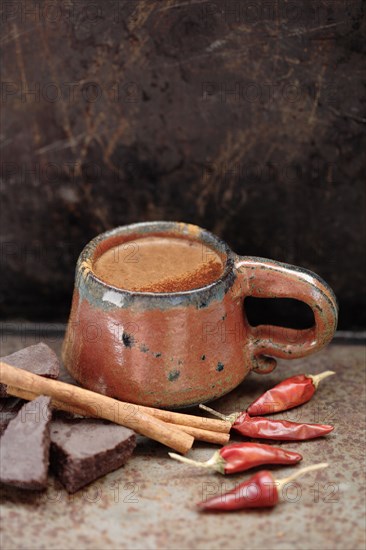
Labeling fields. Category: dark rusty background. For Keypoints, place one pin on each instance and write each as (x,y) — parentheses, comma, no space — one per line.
(247,118)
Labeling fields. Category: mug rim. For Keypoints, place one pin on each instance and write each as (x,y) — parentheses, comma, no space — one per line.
(195,232)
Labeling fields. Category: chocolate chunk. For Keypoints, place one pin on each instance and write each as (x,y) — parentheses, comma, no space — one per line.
(9,407)
(25,444)
(83,450)
(39,359)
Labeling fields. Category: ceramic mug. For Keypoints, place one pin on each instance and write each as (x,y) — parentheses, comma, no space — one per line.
(182,348)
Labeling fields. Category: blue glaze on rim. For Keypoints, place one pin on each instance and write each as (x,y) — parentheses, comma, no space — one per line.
(106,296)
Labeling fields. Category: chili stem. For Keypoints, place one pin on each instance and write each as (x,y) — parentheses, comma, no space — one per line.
(208,464)
(281,482)
(228,418)
(316,378)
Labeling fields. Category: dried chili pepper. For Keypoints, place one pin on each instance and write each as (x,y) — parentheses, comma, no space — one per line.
(287,394)
(280,430)
(259,491)
(264,428)
(238,457)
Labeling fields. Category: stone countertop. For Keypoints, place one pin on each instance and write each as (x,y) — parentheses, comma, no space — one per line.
(150,502)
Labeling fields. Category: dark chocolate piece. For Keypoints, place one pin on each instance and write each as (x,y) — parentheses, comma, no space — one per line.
(9,407)
(39,359)
(25,444)
(83,450)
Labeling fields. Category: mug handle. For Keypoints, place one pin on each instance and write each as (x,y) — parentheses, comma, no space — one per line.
(263,278)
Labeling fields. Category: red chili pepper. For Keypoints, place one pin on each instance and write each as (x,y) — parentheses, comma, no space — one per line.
(264,428)
(287,394)
(259,491)
(280,430)
(238,457)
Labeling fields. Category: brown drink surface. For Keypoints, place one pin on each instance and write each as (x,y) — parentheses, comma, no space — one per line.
(159,264)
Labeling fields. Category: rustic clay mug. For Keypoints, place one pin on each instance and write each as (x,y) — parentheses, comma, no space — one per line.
(177,349)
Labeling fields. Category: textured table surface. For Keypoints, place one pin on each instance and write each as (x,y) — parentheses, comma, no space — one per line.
(150,502)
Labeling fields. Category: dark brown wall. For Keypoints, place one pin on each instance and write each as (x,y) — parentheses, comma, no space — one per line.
(247,118)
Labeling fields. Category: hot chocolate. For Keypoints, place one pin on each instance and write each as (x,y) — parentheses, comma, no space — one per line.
(159,264)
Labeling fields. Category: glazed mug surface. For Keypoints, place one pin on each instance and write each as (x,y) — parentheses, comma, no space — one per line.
(176,349)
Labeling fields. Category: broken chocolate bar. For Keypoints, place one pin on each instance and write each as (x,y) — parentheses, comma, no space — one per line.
(25,444)
(83,450)
(39,359)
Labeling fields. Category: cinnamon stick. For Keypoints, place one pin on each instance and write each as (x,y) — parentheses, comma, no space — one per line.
(205,435)
(198,433)
(182,419)
(55,403)
(95,404)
